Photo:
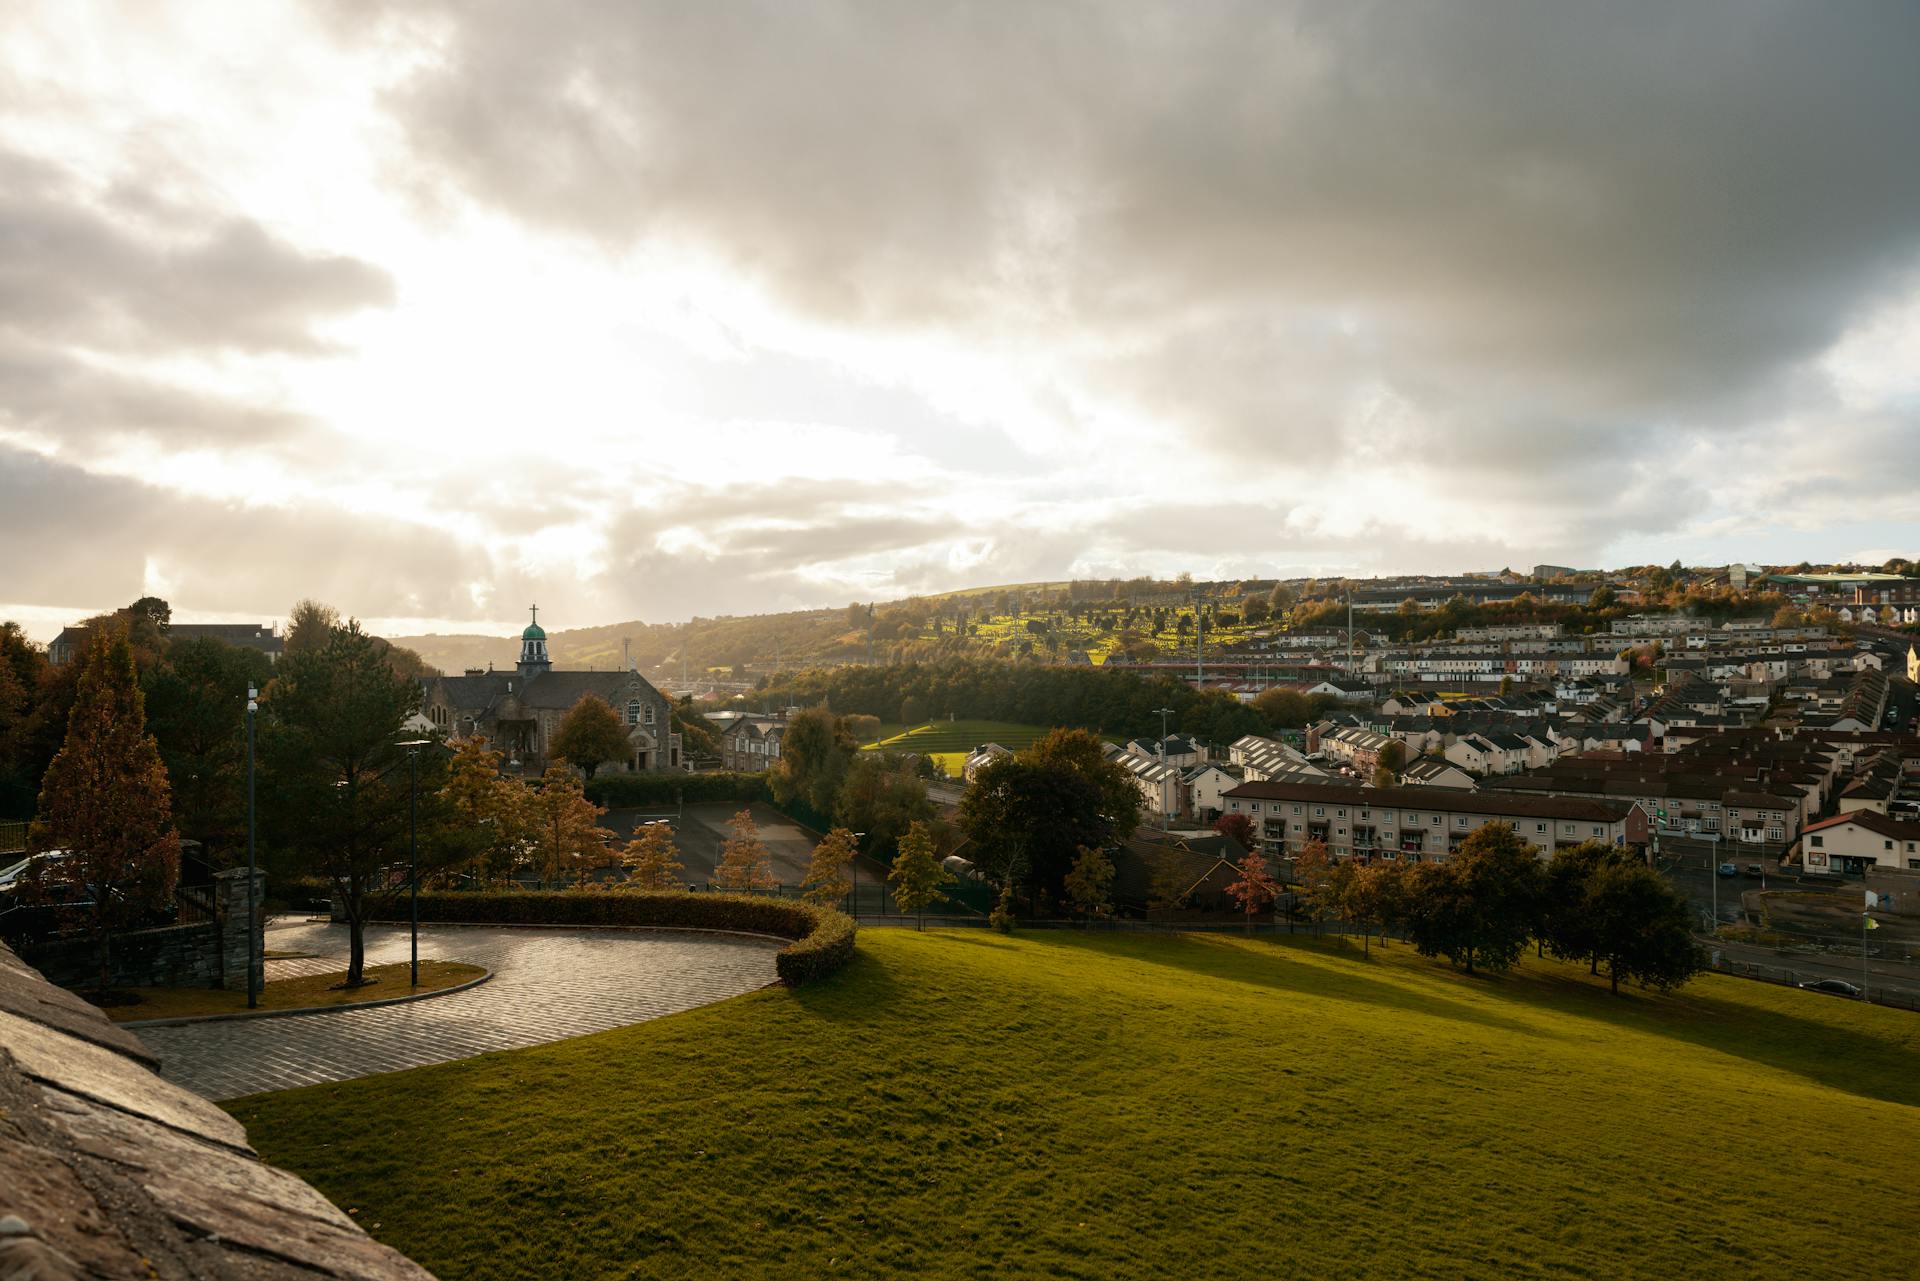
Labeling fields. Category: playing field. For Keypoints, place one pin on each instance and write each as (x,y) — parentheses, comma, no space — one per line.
(1100,1106)
(948,742)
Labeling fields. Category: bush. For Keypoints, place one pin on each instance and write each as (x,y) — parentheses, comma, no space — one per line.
(822,938)
(638,790)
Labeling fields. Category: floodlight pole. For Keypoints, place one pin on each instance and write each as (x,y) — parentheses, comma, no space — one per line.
(253,984)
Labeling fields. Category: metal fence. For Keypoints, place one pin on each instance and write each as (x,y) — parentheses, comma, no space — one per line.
(13,838)
(1787,976)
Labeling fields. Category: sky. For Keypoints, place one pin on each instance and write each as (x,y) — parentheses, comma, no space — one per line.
(433,310)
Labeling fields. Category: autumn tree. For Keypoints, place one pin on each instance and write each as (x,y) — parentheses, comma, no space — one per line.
(496,811)
(1237,826)
(882,795)
(591,735)
(565,826)
(309,626)
(337,799)
(815,753)
(917,874)
(826,880)
(104,804)
(653,860)
(1321,883)
(1170,877)
(1089,883)
(1255,889)
(1375,898)
(745,863)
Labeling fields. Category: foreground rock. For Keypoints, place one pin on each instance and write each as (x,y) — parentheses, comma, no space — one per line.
(112,1172)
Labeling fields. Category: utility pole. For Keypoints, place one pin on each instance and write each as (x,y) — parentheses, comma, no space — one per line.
(869,633)
(1164,713)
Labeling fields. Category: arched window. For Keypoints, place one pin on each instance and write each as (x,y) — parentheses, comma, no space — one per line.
(633,712)
(649,714)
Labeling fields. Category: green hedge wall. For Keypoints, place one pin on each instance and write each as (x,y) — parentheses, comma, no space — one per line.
(622,790)
(822,938)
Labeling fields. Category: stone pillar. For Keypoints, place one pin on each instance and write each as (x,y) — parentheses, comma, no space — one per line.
(230,910)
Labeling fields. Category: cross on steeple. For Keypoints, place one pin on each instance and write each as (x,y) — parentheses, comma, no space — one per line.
(536,613)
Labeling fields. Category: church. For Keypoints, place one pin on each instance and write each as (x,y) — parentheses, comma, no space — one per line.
(519,712)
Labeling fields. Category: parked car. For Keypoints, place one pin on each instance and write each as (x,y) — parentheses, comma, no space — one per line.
(1728,869)
(1753,870)
(1838,987)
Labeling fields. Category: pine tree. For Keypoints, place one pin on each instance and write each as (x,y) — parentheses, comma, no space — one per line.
(104,803)
(652,859)
(826,880)
(745,863)
(917,875)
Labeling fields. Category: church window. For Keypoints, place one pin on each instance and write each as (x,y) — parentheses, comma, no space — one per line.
(649,714)
(633,712)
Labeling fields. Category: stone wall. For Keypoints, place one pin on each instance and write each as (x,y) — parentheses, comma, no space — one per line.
(108,1171)
(206,954)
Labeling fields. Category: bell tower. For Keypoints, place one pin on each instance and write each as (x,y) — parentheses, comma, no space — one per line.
(533,648)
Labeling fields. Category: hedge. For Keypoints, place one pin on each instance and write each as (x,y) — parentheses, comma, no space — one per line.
(626,790)
(822,938)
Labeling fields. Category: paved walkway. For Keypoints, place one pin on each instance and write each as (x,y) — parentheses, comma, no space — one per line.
(548,985)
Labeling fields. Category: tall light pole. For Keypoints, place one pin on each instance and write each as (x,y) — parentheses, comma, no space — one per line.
(253,910)
(1164,713)
(857,837)
(413,746)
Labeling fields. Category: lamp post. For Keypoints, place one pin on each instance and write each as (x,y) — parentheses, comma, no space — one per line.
(1164,713)
(253,985)
(857,836)
(413,746)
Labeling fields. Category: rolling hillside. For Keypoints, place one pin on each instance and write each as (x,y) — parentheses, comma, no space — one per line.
(1128,1106)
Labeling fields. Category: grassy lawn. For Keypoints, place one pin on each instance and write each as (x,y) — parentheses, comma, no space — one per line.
(389,981)
(1095,1106)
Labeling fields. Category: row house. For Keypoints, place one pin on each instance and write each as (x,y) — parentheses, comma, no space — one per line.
(1415,824)
(1854,844)
(1712,809)
(751,744)
(1359,748)
(1498,752)
(1162,789)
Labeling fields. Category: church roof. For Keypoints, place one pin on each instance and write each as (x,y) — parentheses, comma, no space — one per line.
(564,689)
(534,632)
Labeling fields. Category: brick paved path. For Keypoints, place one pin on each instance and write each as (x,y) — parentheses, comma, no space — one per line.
(548,985)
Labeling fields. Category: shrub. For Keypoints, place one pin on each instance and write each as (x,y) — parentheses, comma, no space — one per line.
(822,938)
(632,790)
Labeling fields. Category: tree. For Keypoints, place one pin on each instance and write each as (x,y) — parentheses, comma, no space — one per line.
(1255,889)
(1641,926)
(565,826)
(337,797)
(1279,599)
(882,795)
(591,735)
(815,753)
(652,859)
(917,875)
(1089,883)
(1565,927)
(745,864)
(23,666)
(104,804)
(862,727)
(310,626)
(1237,826)
(826,880)
(1377,898)
(1478,907)
(496,812)
(1255,609)
(1169,877)
(1322,881)
(1027,815)
(1603,598)
(197,709)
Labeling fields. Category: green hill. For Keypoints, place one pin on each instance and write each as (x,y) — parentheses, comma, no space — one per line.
(1101,1106)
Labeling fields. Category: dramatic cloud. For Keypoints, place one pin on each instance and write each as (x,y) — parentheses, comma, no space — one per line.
(650,309)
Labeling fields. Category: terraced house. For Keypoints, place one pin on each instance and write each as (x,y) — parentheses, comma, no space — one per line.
(1416,824)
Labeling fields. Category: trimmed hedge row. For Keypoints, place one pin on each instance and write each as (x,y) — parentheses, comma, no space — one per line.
(623,790)
(822,938)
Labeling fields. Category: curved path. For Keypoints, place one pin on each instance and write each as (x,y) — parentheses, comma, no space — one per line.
(547,985)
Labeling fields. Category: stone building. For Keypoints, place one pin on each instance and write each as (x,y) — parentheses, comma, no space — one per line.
(519,712)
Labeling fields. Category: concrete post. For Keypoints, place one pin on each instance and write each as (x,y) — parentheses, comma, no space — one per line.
(230,910)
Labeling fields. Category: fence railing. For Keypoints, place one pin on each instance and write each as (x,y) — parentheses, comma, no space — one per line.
(13,838)
(1787,976)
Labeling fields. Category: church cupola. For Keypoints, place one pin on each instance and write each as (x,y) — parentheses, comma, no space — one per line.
(533,648)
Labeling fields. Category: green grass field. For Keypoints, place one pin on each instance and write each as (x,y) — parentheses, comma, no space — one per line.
(1097,1106)
(948,742)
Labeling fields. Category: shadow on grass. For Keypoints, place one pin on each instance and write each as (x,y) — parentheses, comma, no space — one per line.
(1202,955)
(1842,1058)
(854,992)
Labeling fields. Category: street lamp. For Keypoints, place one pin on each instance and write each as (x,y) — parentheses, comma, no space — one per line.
(858,837)
(413,746)
(1164,713)
(253,985)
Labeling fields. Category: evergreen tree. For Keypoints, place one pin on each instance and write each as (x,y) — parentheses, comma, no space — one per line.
(1090,883)
(826,880)
(104,803)
(652,859)
(745,864)
(917,875)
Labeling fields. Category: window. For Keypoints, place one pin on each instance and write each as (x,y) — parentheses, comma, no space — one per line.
(1599,831)
(1540,827)
(1776,833)
(1817,860)
(647,717)
(1319,811)
(1296,809)
(1913,864)
(633,712)
(1886,845)
(1460,820)
(1339,813)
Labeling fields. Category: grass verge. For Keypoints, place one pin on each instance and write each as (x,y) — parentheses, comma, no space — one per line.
(388,981)
(1113,1106)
